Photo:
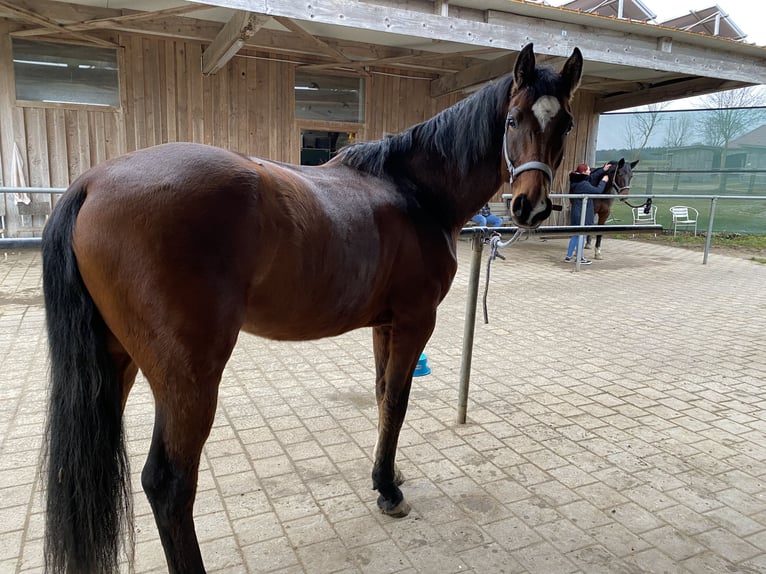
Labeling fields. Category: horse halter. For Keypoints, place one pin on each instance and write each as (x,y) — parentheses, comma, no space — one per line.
(528,166)
(617,187)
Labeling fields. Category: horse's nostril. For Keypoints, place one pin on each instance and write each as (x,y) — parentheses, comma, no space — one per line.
(530,214)
(519,209)
(547,208)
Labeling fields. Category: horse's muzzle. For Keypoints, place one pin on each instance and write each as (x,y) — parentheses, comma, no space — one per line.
(528,214)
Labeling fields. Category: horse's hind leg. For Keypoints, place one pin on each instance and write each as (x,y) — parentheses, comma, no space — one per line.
(124,366)
(396,355)
(184,410)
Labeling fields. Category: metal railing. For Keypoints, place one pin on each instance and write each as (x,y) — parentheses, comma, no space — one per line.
(10,221)
(658,196)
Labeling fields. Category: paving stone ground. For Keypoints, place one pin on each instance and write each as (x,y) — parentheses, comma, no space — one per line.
(616,424)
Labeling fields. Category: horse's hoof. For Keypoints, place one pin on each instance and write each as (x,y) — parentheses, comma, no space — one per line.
(399,510)
(597,256)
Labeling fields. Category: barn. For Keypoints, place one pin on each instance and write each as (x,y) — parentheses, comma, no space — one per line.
(87,80)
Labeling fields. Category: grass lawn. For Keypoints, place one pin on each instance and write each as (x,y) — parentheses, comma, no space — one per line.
(731,215)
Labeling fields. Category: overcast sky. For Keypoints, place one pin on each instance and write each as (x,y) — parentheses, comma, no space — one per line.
(748,15)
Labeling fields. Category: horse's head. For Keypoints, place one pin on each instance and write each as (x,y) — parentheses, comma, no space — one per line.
(537,123)
(620,176)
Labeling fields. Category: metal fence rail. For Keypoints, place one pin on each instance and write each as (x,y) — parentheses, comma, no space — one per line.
(15,243)
(711,217)
(713,198)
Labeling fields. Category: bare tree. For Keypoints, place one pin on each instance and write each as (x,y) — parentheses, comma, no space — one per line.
(641,125)
(731,115)
(680,129)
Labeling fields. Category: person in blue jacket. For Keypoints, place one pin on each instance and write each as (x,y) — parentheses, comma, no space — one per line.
(580,181)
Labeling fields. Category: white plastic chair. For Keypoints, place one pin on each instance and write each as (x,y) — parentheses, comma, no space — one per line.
(641,218)
(684,216)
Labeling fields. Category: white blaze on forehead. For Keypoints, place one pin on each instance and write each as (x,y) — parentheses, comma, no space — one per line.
(546,108)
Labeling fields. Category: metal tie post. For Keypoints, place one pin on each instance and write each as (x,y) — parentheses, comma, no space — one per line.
(477,246)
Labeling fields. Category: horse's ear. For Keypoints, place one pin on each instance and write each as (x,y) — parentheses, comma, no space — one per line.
(571,72)
(633,164)
(524,69)
(621,162)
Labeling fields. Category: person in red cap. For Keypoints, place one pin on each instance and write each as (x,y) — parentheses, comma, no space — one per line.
(580,182)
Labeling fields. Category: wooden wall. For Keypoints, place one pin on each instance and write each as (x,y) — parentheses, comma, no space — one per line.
(246,107)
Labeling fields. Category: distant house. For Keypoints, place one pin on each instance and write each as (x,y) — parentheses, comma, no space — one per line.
(747,152)
(695,157)
(752,147)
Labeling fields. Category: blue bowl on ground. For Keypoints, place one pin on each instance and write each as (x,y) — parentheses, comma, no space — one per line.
(422,367)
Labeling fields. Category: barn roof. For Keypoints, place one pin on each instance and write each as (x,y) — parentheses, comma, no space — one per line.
(455,44)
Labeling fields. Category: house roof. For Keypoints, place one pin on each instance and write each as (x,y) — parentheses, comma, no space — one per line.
(756,137)
(629,9)
(712,21)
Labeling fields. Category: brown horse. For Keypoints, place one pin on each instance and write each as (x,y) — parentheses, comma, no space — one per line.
(618,183)
(156,260)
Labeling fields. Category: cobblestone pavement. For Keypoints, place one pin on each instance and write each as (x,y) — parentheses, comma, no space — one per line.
(616,423)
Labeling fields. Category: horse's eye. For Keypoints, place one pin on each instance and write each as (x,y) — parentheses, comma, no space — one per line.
(512,123)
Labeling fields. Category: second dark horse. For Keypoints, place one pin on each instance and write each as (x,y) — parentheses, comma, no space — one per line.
(618,183)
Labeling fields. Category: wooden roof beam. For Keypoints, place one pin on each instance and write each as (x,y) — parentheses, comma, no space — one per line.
(102,23)
(53,26)
(511,31)
(323,46)
(241,26)
(664,91)
(408,56)
(478,74)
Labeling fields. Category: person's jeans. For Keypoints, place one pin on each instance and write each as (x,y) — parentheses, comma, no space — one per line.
(572,245)
(491,220)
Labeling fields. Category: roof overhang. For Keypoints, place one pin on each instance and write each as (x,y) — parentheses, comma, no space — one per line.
(455,44)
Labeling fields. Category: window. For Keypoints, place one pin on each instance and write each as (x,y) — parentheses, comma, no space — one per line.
(318,146)
(64,73)
(329,98)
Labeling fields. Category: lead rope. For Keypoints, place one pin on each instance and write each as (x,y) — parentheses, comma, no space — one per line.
(647,205)
(494,244)
(513,171)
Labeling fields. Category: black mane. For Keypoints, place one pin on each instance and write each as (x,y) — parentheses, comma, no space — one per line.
(461,134)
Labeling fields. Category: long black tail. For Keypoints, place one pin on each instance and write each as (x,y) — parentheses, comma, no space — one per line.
(89,502)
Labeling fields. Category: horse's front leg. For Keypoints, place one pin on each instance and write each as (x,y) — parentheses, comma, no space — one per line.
(597,252)
(602,217)
(396,356)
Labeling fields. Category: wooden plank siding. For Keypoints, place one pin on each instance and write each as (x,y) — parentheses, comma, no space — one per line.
(248,107)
